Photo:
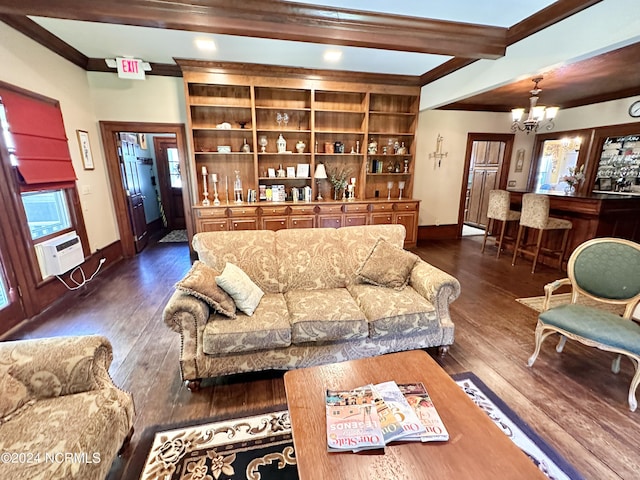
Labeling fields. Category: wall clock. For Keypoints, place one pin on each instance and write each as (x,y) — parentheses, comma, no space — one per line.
(634,109)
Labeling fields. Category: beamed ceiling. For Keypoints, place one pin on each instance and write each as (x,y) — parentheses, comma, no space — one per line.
(416,49)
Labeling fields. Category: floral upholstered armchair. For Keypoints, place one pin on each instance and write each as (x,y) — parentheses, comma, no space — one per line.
(61,416)
(606,270)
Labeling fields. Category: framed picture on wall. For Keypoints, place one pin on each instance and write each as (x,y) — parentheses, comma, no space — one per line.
(519,160)
(85,149)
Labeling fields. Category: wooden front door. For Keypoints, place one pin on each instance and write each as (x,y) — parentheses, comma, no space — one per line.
(135,199)
(170,182)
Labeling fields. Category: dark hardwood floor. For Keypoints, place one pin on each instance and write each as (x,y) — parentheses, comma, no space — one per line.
(571,399)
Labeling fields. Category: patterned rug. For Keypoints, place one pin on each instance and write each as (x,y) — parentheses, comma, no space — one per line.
(550,462)
(535,303)
(259,447)
(175,236)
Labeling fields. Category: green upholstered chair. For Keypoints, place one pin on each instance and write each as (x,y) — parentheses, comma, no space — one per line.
(606,270)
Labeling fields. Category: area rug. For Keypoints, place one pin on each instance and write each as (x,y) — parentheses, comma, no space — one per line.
(535,303)
(259,447)
(550,462)
(175,236)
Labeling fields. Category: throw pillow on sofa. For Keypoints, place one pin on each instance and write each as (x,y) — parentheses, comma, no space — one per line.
(200,282)
(240,287)
(387,266)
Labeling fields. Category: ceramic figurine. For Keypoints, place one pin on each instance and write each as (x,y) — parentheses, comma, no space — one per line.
(281,144)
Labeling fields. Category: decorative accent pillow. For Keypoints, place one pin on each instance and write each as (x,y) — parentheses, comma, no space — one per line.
(200,282)
(15,396)
(244,292)
(387,266)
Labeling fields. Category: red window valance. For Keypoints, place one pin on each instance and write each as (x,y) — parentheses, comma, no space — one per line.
(40,141)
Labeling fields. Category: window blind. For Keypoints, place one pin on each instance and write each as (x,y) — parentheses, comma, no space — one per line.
(41,148)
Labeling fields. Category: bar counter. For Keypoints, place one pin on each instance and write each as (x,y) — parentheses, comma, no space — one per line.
(593,215)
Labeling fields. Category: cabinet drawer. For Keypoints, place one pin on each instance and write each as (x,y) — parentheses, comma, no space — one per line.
(328,209)
(381,207)
(305,221)
(277,210)
(329,221)
(353,220)
(407,206)
(243,211)
(274,223)
(302,209)
(211,212)
(355,207)
(212,225)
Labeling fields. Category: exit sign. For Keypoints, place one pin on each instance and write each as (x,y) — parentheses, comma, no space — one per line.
(130,68)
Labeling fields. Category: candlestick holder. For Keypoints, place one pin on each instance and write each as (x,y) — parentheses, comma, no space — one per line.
(389,187)
(206,202)
(214,180)
(401,187)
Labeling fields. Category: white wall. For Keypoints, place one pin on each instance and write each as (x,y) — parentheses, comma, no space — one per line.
(85,99)
(33,67)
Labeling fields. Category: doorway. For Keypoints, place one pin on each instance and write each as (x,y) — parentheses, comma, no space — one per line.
(137,181)
(486,168)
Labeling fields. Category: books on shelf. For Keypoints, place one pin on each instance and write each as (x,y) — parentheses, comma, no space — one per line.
(372,416)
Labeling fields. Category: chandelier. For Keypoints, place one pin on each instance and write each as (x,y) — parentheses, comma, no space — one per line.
(538,115)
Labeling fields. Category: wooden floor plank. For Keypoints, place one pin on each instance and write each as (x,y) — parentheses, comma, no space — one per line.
(571,398)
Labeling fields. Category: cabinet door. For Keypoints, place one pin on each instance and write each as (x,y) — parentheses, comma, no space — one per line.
(490,181)
(244,223)
(303,221)
(334,221)
(381,218)
(274,223)
(475,196)
(355,219)
(212,225)
(410,222)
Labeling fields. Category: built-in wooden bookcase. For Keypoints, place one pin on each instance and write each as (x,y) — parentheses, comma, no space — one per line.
(232,113)
(322,114)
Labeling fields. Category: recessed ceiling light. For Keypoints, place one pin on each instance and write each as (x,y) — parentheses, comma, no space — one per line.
(205,44)
(332,55)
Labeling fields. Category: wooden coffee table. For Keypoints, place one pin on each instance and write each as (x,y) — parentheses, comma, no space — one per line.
(476,448)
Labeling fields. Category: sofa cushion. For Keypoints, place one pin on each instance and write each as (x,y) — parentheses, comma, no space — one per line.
(358,241)
(267,328)
(324,315)
(200,282)
(239,286)
(387,266)
(309,259)
(253,251)
(395,312)
(15,395)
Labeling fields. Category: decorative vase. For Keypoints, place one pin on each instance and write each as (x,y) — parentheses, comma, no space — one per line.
(300,146)
(281,144)
(570,190)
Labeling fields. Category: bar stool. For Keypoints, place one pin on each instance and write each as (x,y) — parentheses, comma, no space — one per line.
(499,203)
(535,214)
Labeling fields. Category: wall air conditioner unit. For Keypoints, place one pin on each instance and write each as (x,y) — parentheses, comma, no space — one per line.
(60,254)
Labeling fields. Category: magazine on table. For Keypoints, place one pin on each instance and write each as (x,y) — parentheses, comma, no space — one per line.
(353,423)
(411,428)
(419,399)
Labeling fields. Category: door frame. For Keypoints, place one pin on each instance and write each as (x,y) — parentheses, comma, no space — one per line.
(108,132)
(503,173)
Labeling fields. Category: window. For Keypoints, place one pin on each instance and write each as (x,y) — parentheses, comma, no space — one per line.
(47,212)
(174,167)
(4,299)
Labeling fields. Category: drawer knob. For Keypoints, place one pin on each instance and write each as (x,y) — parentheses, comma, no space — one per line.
(295,222)
(281,223)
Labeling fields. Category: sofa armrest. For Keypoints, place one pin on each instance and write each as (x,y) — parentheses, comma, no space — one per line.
(187,315)
(57,366)
(437,286)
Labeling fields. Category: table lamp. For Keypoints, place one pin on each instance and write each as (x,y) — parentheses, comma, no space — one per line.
(320,174)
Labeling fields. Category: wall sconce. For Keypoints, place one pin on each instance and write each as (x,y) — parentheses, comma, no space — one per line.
(438,155)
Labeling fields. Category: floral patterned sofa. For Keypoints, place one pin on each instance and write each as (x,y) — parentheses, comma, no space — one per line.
(315,308)
(61,415)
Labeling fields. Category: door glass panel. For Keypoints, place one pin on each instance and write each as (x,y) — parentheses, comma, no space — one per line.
(558,156)
(174,168)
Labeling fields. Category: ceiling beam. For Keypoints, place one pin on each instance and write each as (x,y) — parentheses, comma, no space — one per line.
(281,20)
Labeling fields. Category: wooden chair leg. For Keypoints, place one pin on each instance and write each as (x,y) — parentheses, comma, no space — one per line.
(486,234)
(516,247)
(563,249)
(535,255)
(504,224)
